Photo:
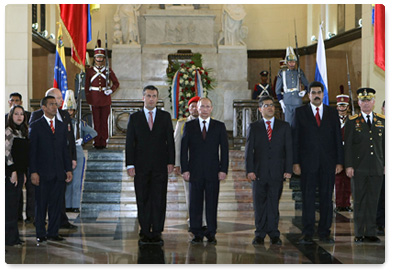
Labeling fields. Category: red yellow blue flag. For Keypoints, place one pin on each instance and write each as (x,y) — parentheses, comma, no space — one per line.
(60,74)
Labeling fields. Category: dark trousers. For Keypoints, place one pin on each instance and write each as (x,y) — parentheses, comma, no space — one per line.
(29,200)
(366,193)
(342,190)
(203,191)
(324,182)
(266,195)
(49,197)
(12,196)
(151,194)
(100,121)
(380,220)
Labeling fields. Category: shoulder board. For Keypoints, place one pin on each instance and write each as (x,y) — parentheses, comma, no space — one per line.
(353,117)
(182,119)
(380,115)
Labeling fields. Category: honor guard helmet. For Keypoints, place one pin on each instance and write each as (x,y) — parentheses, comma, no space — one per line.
(342,99)
(290,54)
(99,51)
(69,101)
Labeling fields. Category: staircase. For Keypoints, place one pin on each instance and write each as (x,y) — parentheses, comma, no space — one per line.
(108,192)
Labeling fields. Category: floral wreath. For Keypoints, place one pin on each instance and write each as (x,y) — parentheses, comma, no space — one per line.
(187,80)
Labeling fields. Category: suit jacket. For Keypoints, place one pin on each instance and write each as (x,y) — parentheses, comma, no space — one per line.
(49,155)
(269,158)
(364,147)
(70,132)
(313,146)
(150,150)
(203,158)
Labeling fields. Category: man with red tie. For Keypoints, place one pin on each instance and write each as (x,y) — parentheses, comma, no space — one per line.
(318,156)
(98,90)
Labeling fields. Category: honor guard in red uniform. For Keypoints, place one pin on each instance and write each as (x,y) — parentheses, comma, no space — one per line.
(98,94)
(342,181)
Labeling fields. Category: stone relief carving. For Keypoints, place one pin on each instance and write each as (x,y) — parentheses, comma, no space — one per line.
(181,33)
(126,29)
(233,32)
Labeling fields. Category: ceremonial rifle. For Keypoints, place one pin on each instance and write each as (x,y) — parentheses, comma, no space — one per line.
(107,66)
(349,87)
(297,57)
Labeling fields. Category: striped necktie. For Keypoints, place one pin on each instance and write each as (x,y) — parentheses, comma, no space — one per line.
(52,127)
(269,130)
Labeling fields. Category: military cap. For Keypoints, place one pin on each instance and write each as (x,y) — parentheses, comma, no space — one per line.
(99,51)
(366,93)
(264,73)
(342,99)
(194,99)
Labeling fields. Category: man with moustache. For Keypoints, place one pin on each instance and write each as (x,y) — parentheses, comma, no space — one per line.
(365,164)
(178,132)
(318,157)
(204,163)
(50,168)
(268,156)
(150,158)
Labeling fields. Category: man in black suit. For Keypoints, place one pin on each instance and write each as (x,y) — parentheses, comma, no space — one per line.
(64,117)
(204,166)
(268,157)
(50,167)
(318,157)
(150,157)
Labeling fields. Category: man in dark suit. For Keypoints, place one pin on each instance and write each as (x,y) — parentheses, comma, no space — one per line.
(204,166)
(318,157)
(364,141)
(50,167)
(150,157)
(64,117)
(268,157)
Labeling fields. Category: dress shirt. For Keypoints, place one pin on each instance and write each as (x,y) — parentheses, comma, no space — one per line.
(48,121)
(146,112)
(58,116)
(201,123)
(320,109)
(370,117)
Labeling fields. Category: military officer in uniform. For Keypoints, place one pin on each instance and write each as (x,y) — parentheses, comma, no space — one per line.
(288,91)
(365,164)
(193,113)
(98,96)
(342,181)
(263,88)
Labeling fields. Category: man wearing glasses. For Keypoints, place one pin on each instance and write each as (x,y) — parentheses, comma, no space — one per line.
(318,157)
(268,156)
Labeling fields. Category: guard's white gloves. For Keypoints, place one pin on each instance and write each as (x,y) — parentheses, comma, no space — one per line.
(108,92)
(282,105)
(302,93)
(78,142)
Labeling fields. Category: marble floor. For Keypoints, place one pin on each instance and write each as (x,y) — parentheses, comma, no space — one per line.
(112,238)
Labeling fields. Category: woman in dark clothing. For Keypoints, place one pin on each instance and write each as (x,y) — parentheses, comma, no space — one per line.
(16,164)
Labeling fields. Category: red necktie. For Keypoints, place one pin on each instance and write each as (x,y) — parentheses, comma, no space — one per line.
(150,121)
(269,130)
(317,117)
(51,125)
(204,132)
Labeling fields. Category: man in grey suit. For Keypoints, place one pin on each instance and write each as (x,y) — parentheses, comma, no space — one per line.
(268,156)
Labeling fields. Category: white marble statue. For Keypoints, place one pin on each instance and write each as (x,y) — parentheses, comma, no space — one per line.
(233,32)
(126,22)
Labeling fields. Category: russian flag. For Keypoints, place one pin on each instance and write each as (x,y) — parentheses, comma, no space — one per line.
(320,67)
(60,74)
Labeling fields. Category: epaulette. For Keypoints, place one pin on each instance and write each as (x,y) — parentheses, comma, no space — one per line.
(380,115)
(182,119)
(353,117)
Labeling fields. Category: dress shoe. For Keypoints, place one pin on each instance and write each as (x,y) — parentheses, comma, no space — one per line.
(29,220)
(276,241)
(197,240)
(56,238)
(69,209)
(348,209)
(372,239)
(76,210)
(358,239)
(380,230)
(258,241)
(41,239)
(144,240)
(306,240)
(157,240)
(68,226)
(211,240)
(327,240)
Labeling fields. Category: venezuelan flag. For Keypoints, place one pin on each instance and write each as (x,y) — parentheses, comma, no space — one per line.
(60,74)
